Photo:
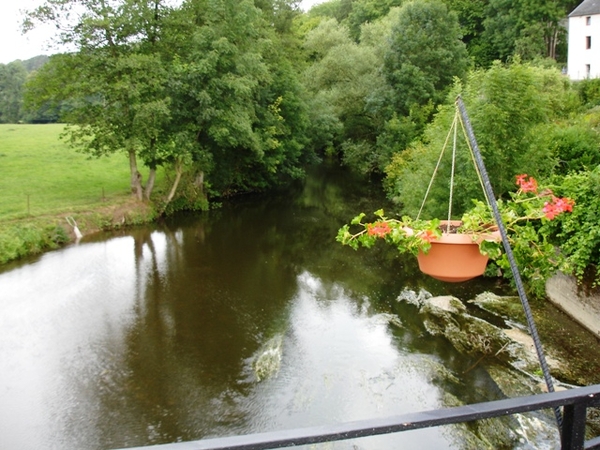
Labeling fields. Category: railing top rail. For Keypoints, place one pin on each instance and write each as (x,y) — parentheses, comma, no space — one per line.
(587,396)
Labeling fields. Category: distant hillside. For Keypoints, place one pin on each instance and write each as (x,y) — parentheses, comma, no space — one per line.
(30,64)
(35,63)
(12,80)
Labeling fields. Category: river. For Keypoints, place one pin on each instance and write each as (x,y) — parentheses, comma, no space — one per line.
(245,319)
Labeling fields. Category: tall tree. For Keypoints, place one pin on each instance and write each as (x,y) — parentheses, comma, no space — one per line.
(343,80)
(471,15)
(114,83)
(235,94)
(426,53)
(12,79)
(367,11)
(529,28)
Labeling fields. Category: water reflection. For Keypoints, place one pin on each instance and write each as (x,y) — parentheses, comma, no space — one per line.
(61,339)
(340,363)
(155,335)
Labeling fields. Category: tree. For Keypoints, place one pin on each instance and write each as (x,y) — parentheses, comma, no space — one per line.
(529,28)
(236,96)
(343,79)
(114,83)
(471,15)
(512,109)
(367,11)
(279,13)
(426,53)
(12,79)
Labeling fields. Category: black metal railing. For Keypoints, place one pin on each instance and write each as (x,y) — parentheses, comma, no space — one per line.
(575,403)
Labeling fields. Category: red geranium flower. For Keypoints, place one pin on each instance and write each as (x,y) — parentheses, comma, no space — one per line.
(527,185)
(379,229)
(428,236)
(557,206)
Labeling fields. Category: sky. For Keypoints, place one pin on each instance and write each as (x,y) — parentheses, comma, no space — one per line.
(14,45)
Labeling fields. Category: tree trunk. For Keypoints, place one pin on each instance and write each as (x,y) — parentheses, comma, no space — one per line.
(199,183)
(150,183)
(178,171)
(136,176)
(551,41)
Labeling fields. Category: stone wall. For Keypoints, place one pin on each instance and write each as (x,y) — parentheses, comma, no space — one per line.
(581,304)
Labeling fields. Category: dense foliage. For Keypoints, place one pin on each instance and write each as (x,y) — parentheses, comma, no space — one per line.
(513,109)
(424,56)
(12,78)
(578,234)
(204,89)
(232,96)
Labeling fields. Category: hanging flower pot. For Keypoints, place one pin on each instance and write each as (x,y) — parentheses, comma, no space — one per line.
(455,257)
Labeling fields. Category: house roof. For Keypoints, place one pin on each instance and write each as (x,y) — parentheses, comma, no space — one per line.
(586,8)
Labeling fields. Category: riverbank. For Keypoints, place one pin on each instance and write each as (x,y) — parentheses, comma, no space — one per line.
(37,234)
(501,342)
(45,181)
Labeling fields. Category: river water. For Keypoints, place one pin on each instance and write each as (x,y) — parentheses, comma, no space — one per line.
(246,319)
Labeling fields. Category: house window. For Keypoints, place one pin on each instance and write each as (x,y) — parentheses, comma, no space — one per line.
(588,42)
(588,70)
(588,20)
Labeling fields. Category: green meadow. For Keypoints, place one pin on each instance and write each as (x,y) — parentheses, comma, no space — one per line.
(42,181)
(41,175)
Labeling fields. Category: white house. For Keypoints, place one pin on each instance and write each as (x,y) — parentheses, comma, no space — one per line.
(583,60)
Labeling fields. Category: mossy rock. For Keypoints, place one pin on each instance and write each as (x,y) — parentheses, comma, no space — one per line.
(448,316)
(496,433)
(507,307)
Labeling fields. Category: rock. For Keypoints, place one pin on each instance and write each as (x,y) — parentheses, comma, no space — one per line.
(446,303)
(448,316)
(413,298)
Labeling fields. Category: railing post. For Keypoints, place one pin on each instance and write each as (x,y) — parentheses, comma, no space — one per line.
(572,435)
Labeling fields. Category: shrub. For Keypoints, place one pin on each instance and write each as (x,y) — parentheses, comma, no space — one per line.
(589,92)
(19,240)
(577,235)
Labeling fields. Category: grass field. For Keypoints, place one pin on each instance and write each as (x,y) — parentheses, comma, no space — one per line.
(40,174)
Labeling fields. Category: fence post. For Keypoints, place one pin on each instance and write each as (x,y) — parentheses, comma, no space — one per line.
(572,436)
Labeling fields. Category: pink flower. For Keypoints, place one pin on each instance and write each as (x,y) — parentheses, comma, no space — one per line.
(428,236)
(564,204)
(379,229)
(527,185)
(549,210)
(557,206)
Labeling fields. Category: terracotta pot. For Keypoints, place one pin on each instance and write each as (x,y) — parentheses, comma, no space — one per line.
(456,257)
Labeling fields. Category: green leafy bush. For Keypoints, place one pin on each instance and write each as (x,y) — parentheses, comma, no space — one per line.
(509,108)
(21,240)
(589,91)
(573,147)
(577,235)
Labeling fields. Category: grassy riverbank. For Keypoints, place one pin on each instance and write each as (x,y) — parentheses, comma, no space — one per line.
(43,181)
